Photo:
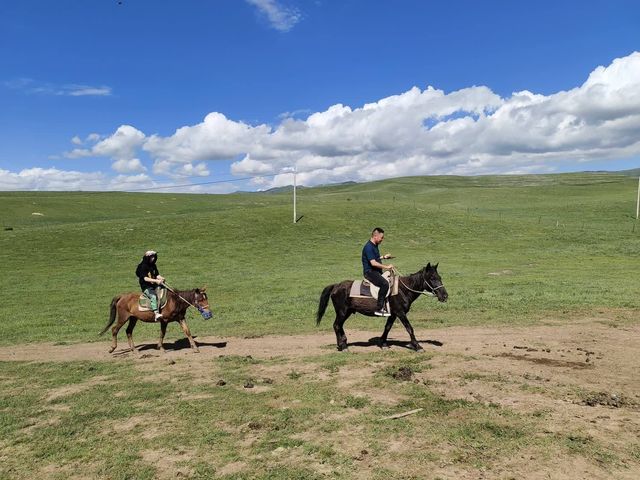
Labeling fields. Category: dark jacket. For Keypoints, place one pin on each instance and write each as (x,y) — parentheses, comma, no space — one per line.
(146,269)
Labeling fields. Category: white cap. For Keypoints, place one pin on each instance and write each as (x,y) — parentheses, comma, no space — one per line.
(150,253)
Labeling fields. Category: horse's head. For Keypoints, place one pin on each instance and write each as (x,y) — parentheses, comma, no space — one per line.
(433,282)
(201,302)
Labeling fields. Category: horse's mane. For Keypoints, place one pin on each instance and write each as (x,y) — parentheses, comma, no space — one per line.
(188,295)
(414,280)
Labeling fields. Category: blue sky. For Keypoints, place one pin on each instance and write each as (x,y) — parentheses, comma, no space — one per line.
(92,92)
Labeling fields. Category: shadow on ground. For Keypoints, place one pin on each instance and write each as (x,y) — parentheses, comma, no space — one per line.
(375,342)
(181,344)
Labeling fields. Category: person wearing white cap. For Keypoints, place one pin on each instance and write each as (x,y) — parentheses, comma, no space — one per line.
(150,279)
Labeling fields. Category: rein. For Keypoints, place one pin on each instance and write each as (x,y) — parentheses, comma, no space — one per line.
(421,292)
(197,307)
(178,295)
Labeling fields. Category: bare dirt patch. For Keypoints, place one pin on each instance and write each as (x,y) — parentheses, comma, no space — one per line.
(579,377)
(68,390)
(73,471)
(547,361)
(146,423)
(168,464)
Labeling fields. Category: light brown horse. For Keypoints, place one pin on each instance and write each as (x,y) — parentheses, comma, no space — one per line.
(125,307)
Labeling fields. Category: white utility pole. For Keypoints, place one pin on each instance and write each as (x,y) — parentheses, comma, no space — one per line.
(638,201)
(295,214)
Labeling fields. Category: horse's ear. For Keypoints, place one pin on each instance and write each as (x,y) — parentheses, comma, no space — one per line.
(204,289)
(197,290)
(429,266)
(436,266)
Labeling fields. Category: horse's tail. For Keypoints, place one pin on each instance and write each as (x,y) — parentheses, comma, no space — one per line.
(112,316)
(324,301)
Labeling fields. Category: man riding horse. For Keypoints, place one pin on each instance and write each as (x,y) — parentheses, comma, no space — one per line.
(150,279)
(372,268)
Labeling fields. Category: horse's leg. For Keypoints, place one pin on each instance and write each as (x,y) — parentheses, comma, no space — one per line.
(163,331)
(341,337)
(130,327)
(387,327)
(123,316)
(407,325)
(187,332)
(340,300)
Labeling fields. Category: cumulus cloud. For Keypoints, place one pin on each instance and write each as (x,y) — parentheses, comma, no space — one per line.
(53,179)
(163,167)
(469,131)
(418,132)
(50,179)
(280,17)
(121,147)
(216,138)
(128,166)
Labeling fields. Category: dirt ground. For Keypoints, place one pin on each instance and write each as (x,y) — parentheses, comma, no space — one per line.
(583,373)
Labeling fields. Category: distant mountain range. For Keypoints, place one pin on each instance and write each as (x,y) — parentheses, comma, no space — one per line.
(289,188)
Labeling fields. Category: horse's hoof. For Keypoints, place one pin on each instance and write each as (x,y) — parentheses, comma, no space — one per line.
(419,349)
(195,350)
(345,350)
(385,346)
(112,349)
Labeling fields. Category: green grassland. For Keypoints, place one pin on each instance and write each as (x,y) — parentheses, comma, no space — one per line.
(510,248)
(125,420)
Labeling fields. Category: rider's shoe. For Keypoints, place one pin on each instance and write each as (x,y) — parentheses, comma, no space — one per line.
(382,313)
(159,317)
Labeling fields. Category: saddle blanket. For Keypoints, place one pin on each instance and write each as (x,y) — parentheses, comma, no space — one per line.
(144,304)
(365,289)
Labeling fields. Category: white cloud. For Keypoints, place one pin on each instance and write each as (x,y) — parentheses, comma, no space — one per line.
(128,166)
(470,131)
(53,179)
(131,182)
(76,140)
(50,179)
(295,113)
(216,138)
(466,132)
(163,167)
(31,86)
(280,17)
(123,144)
(85,90)
(121,147)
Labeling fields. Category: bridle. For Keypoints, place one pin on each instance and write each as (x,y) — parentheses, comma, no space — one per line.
(199,305)
(431,293)
(204,310)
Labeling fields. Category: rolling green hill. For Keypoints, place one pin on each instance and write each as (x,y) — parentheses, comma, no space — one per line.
(510,248)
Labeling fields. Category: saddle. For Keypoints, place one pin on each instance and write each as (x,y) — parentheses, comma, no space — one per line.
(144,304)
(365,289)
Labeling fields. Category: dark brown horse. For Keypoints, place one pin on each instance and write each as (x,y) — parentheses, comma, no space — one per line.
(410,288)
(125,308)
